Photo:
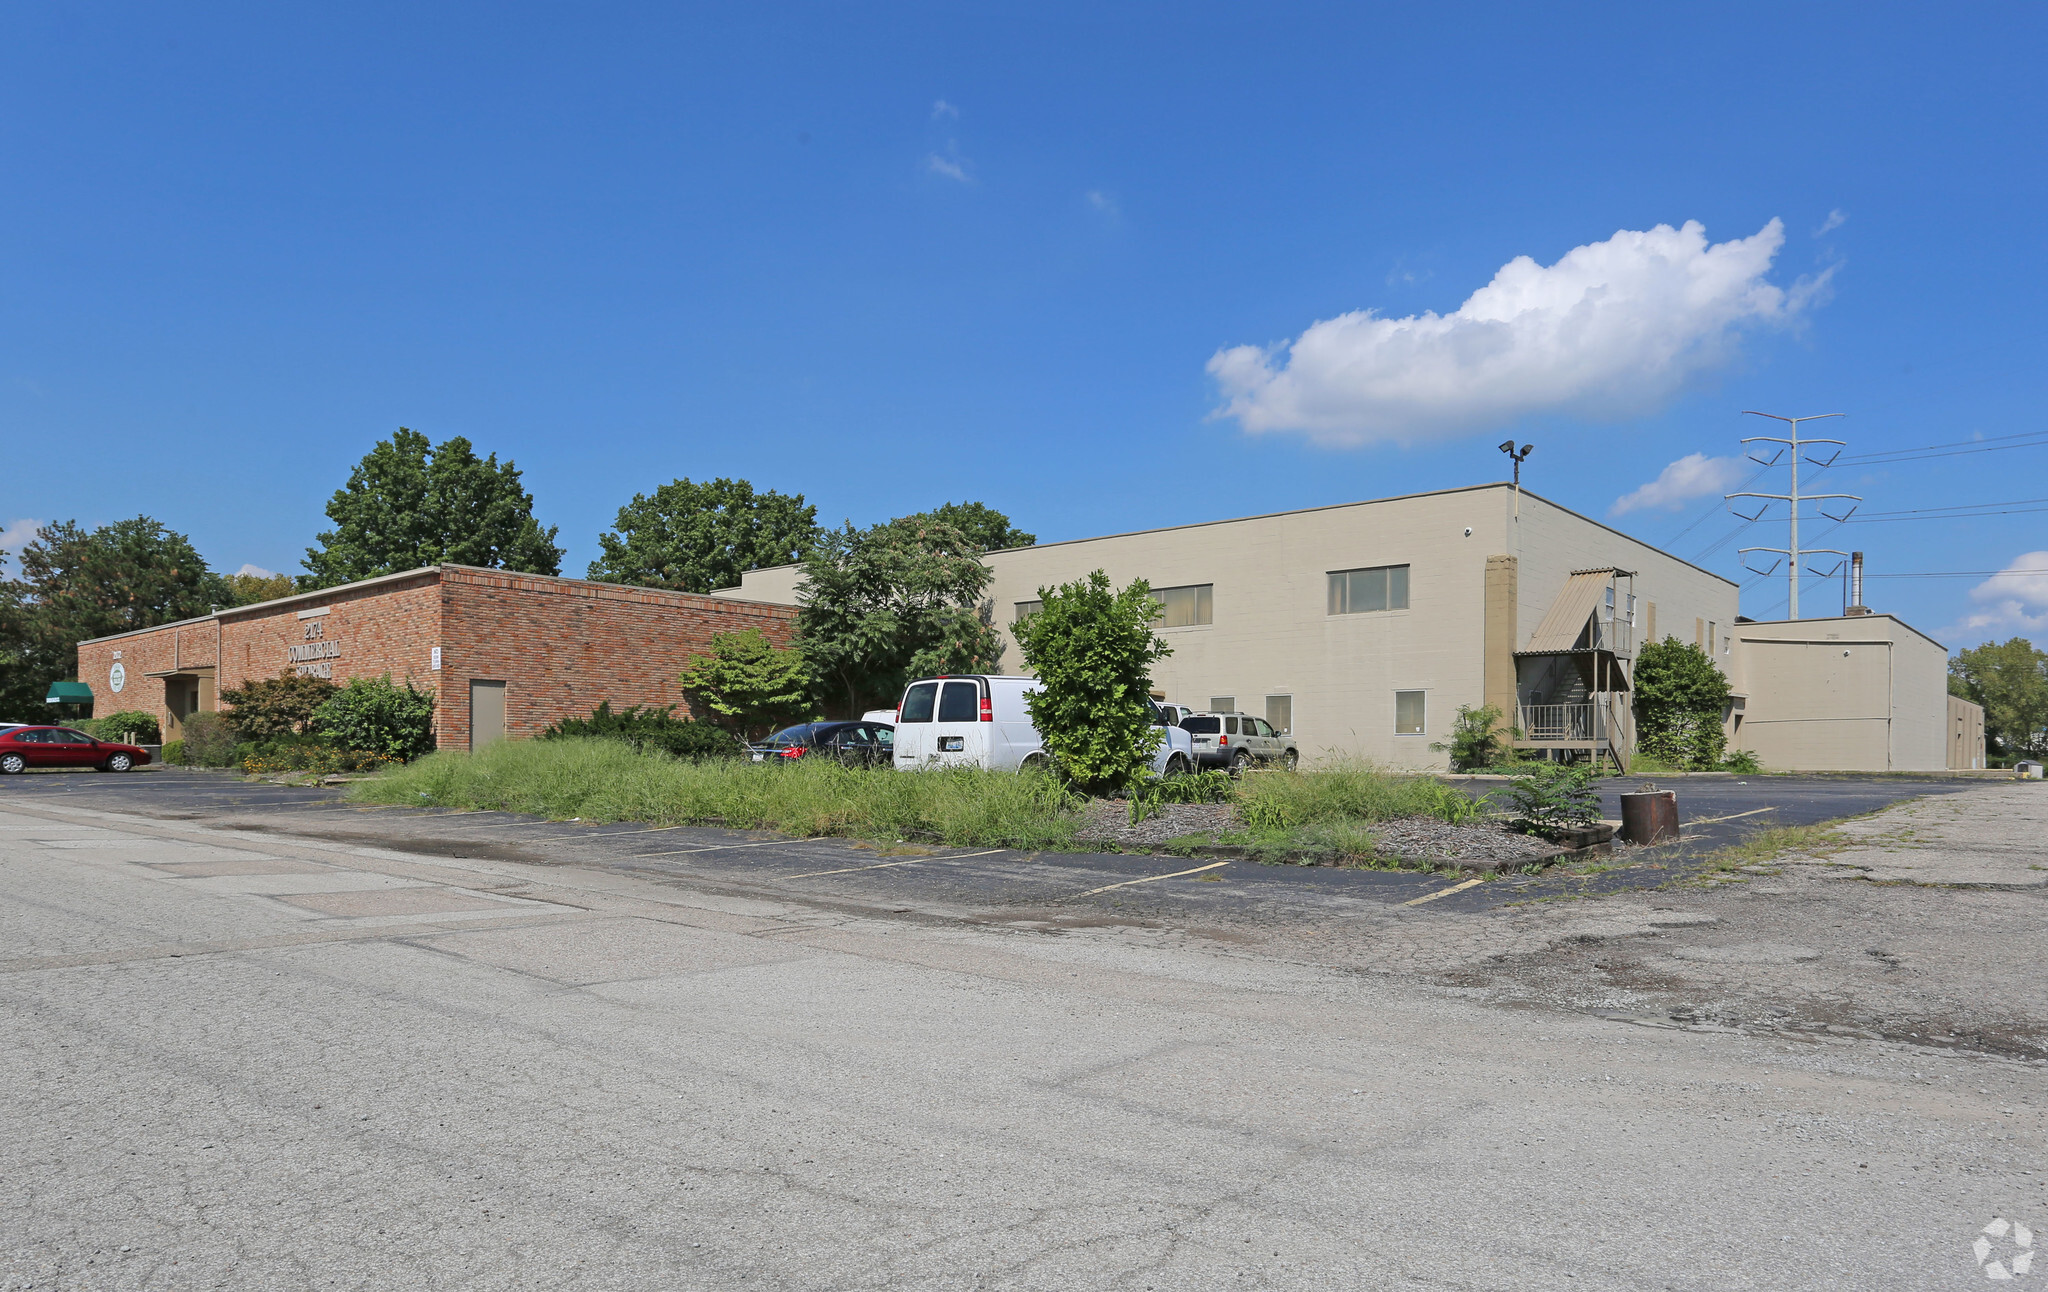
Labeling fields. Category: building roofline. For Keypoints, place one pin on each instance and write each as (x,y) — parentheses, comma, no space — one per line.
(1336,506)
(1845,619)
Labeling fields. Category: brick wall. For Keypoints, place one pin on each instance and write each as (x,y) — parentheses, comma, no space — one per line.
(560,645)
(563,645)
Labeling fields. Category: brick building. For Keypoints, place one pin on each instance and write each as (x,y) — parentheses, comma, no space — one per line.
(507,654)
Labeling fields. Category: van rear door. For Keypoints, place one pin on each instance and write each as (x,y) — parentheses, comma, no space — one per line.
(914,723)
(959,738)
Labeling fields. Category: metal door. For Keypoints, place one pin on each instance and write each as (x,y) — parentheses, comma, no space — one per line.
(486,713)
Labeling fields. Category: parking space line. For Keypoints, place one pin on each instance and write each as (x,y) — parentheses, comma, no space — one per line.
(908,861)
(1147,879)
(1732,816)
(726,847)
(1444,892)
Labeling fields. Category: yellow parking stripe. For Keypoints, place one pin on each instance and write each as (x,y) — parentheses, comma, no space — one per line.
(1444,892)
(912,861)
(1149,878)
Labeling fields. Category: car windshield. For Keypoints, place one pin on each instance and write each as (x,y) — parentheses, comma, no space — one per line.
(1201,726)
(796,735)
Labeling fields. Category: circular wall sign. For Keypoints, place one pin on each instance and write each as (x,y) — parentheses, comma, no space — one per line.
(117,676)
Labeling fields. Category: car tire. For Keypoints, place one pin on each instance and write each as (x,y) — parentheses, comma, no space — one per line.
(12,764)
(1240,763)
(119,763)
(1291,760)
(1177,766)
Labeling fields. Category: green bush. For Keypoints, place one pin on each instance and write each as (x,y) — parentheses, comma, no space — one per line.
(1679,699)
(1742,762)
(174,752)
(209,740)
(279,706)
(371,714)
(117,726)
(650,729)
(1477,739)
(1093,648)
(1556,796)
(750,682)
(312,756)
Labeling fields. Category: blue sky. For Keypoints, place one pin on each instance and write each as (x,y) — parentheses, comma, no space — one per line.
(893,256)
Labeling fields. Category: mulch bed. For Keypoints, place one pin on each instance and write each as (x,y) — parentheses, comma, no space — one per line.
(1479,845)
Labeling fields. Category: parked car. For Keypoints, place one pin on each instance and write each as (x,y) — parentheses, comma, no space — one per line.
(1237,740)
(858,744)
(980,720)
(26,746)
(1175,713)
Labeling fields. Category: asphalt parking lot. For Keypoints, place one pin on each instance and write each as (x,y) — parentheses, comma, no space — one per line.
(1716,812)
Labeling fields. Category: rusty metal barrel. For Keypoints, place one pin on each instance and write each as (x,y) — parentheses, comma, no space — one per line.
(1650,816)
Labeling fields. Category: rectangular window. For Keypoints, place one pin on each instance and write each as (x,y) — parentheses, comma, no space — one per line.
(1026,609)
(1222,703)
(960,702)
(1357,592)
(917,703)
(1280,712)
(1408,713)
(1186,607)
(1712,630)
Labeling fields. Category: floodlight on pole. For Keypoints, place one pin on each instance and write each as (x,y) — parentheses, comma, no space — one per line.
(1508,447)
(1792,451)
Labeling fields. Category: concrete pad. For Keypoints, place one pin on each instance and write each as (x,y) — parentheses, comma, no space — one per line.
(613,950)
(1995,837)
(322,880)
(250,866)
(404,901)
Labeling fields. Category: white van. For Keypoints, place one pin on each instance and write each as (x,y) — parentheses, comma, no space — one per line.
(979,720)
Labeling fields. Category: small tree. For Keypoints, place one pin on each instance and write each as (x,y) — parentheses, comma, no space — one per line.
(1680,698)
(1477,738)
(373,715)
(1092,648)
(752,684)
(273,708)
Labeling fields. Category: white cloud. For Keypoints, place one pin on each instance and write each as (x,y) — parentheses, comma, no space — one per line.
(1836,219)
(951,169)
(17,535)
(1613,329)
(1103,202)
(2013,600)
(941,108)
(257,571)
(1693,476)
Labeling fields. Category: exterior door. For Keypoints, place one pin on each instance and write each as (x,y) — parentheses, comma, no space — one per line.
(486,713)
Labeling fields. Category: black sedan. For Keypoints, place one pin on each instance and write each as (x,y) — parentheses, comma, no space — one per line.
(857,744)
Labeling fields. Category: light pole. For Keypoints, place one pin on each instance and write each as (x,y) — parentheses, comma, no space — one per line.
(1508,447)
(1794,445)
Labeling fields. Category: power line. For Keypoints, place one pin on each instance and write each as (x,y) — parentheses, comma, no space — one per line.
(1954,574)
(2030,440)
(1967,515)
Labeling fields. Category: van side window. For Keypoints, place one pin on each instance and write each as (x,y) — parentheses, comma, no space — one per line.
(960,702)
(917,703)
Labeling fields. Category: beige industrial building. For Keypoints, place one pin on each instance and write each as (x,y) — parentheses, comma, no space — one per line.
(1361,628)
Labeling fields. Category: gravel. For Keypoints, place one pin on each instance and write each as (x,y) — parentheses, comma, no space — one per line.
(1426,838)
(1109,821)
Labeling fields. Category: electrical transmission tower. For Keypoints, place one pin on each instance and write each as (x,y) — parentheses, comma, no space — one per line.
(1794,451)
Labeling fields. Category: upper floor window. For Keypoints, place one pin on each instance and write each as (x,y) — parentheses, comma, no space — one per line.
(1185,607)
(1383,587)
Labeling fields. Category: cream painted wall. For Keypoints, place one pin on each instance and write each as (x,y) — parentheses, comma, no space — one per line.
(1861,693)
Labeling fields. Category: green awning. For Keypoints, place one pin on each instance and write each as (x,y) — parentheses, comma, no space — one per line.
(68,693)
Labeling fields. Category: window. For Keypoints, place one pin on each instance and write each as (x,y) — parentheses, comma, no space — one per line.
(1712,629)
(1222,703)
(1230,726)
(1408,713)
(1280,712)
(1354,592)
(1026,609)
(1186,607)
(960,702)
(1201,726)
(917,703)
(1263,727)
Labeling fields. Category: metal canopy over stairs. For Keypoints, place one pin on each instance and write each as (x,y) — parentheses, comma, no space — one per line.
(1572,681)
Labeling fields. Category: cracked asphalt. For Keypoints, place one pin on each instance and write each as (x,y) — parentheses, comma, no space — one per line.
(256,1037)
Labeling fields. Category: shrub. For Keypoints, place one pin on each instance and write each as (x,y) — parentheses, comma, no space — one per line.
(312,756)
(1556,795)
(1742,762)
(174,752)
(651,729)
(1476,738)
(1093,648)
(280,706)
(1679,698)
(373,715)
(117,726)
(1350,791)
(1147,796)
(209,740)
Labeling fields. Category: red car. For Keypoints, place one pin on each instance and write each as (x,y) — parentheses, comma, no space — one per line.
(23,747)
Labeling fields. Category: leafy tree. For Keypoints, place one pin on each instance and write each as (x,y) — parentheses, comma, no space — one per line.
(275,708)
(1478,738)
(407,505)
(2010,679)
(1680,697)
(986,527)
(248,589)
(884,604)
(374,715)
(751,683)
(1092,648)
(696,537)
(77,584)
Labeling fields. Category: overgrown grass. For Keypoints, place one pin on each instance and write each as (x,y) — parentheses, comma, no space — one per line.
(605,780)
(1325,811)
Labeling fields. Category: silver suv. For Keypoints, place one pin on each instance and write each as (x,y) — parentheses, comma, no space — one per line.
(1237,740)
